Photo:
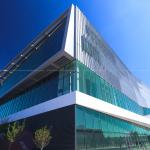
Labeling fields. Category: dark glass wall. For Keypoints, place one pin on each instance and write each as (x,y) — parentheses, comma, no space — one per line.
(61,123)
(43,51)
(95,130)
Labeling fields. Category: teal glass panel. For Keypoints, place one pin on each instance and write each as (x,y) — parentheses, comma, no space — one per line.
(95,130)
(146,111)
(90,83)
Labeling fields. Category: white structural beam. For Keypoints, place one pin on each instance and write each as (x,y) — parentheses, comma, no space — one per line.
(107,108)
(82,100)
(53,104)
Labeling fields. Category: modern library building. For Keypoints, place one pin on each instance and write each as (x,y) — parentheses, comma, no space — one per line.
(71,81)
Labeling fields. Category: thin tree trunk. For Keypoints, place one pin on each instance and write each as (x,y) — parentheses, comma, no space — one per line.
(9,147)
(42,148)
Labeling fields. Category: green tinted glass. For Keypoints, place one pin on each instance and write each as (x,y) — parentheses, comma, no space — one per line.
(95,130)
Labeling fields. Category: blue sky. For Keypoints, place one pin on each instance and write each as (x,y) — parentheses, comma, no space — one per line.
(124,24)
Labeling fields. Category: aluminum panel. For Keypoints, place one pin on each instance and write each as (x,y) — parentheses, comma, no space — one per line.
(92,51)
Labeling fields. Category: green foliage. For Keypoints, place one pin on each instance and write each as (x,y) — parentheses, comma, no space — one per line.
(42,137)
(14,130)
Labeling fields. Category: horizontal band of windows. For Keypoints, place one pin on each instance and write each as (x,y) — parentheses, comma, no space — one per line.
(98,130)
(50,46)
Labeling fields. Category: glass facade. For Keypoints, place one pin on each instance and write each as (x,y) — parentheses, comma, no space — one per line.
(43,51)
(95,130)
(92,50)
(90,83)
(57,84)
(146,111)
(73,76)
(78,128)
(45,90)
(75,127)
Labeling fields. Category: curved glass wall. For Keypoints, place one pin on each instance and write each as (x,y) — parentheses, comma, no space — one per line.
(47,48)
(95,130)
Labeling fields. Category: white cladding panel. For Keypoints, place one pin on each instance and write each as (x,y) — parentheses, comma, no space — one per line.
(82,100)
(92,51)
(69,39)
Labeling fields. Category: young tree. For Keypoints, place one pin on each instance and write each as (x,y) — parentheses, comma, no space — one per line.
(42,137)
(13,132)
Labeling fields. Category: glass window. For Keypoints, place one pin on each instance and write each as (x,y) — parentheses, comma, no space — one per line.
(101,131)
(50,46)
